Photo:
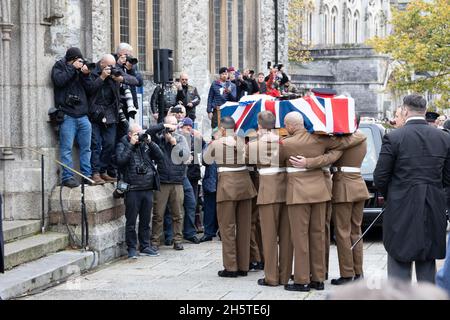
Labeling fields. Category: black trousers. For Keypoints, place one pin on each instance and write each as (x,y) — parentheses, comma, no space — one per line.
(425,270)
(138,203)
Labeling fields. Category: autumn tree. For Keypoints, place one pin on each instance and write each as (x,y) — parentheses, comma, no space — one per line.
(420,48)
(298,47)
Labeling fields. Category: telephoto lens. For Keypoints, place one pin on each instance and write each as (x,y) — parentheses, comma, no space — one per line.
(132,111)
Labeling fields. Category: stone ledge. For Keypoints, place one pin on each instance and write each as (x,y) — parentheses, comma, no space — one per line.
(97,198)
(94,218)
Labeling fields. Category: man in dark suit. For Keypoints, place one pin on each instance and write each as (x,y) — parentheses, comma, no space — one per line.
(412,170)
(2,250)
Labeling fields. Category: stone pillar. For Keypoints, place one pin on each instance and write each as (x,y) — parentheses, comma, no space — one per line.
(193,48)
(267,33)
(101,28)
(5,78)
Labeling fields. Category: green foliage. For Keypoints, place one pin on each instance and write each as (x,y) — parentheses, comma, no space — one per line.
(298,47)
(420,47)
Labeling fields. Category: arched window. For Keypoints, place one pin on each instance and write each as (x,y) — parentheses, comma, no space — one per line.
(356,31)
(309,17)
(334,14)
(349,27)
(326,25)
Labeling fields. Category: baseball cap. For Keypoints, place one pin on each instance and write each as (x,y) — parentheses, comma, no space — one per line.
(187,122)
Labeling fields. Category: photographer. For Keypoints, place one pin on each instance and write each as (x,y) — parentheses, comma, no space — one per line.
(72,82)
(125,59)
(242,87)
(220,92)
(104,115)
(252,85)
(172,171)
(188,96)
(190,185)
(135,154)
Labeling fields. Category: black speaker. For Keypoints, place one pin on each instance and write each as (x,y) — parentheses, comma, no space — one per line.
(163,65)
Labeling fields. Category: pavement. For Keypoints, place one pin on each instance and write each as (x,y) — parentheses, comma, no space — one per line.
(192,275)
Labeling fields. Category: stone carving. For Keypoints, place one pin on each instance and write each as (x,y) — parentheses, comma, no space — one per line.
(51,10)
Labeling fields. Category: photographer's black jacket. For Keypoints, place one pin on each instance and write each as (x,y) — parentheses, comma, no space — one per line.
(130,157)
(107,93)
(69,81)
(170,172)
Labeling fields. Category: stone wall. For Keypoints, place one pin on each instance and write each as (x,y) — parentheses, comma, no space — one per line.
(358,71)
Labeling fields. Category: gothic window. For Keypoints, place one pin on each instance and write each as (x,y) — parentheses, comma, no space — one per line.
(326,25)
(356,30)
(334,15)
(227,34)
(241,33)
(310,25)
(125,21)
(156,23)
(132,21)
(348,28)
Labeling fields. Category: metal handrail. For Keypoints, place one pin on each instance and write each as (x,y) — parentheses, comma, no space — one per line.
(84,221)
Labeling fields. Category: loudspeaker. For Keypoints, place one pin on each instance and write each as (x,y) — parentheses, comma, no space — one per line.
(163,65)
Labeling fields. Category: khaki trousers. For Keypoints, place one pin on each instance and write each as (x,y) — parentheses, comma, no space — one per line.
(327,235)
(171,195)
(277,244)
(235,223)
(307,223)
(256,245)
(347,219)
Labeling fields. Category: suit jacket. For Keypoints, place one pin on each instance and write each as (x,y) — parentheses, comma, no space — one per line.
(229,152)
(2,249)
(413,168)
(266,152)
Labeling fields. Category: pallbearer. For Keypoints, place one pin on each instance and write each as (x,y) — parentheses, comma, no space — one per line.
(235,192)
(277,246)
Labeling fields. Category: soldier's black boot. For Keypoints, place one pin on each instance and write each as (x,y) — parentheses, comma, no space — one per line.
(341,281)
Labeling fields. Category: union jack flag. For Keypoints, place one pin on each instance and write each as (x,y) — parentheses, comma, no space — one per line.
(321,115)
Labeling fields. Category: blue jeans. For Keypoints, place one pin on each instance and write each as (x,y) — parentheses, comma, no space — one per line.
(210,214)
(81,130)
(190,204)
(443,275)
(103,147)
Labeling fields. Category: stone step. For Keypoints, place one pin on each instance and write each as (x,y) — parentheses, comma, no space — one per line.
(15,230)
(45,272)
(33,248)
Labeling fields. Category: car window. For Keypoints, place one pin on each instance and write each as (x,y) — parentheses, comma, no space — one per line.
(370,161)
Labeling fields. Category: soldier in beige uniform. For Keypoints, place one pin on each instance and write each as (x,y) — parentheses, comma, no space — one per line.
(347,148)
(306,198)
(277,246)
(235,192)
(256,249)
(349,195)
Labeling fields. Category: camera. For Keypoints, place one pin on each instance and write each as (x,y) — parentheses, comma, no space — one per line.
(123,118)
(121,189)
(142,169)
(279,67)
(177,110)
(144,138)
(132,60)
(73,100)
(128,97)
(90,65)
(115,71)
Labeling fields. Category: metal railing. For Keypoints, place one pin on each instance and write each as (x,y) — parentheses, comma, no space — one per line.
(84,219)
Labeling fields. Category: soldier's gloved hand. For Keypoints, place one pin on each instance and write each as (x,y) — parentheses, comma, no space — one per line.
(298,162)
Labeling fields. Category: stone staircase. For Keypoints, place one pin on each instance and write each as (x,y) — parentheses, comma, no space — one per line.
(34,261)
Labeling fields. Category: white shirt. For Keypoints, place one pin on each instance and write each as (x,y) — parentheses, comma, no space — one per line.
(415,118)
